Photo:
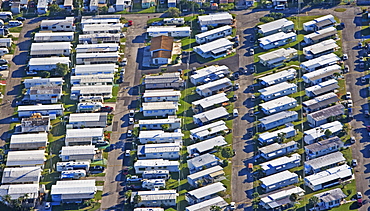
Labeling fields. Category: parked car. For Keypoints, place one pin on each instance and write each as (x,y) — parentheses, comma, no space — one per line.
(129,133)
(366,113)
(280,7)
(354,162)
(345,56)
(349,103)
(236,86)
(134,179)
(127,153)
(124,62)
(157,23)
(47,206)
(363,79)
(232,205)
(359,198)
(362,65)
(106,109)
(4,67)
(346,69)
(235,112)
(348,95)
(130,23)
(132,113)
(20,19)
(3,61)
(251,51)
(131,121)
(353,140)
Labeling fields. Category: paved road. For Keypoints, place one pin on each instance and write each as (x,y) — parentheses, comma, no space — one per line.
(16,72)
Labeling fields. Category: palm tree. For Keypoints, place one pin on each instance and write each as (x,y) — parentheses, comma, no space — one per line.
(137,199)
(336,74)
(215,208)
(281,137)
(314,200)
(293,197)
(7,199)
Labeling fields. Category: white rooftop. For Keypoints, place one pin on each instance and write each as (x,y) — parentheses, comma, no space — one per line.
(159,121)
(85,132)
(49,61)
(211,100)
(157,195)
(48,46)
(96,55)
(161,93)
(276,146)
(321,47)
(167,29)
(156,162)
(275,25)
(277,88)
(328,175)
(158,134)
(271,135)
(211,114)
(273,104)
(207,71)
(29,138)
(209,129)
(39,107)
(213,31)
(159,106)
(208,144)
(81,69)
(280,161)
(201,174)
(321,61)
(277,54)
(326,160)
(275,196)
(215,17)
(278,177)
(219,43)
(317,132)
(207,190)
(21,175)
(85,117)
(276,37)
(24,158)
(320,32)
(16,191)
(207,204)
(160,148)
(213,83)
(270,79)
(78,150)
(92,89)
(72,187)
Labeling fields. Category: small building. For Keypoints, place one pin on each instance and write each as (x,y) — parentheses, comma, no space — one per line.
(147,3)
(19,190)
(92,80)
(159,136)
(50,49)
(174,21)
(157,124)
(161,95)
(72,174)
(156,174)
(171,31)
(171,3)
(321,48)
(211,115)
(324,147)
(47,94)
(319,23)
(206,145)
(281,164)
(28,141)
(36,81)
(155,164)
(30,158)
(78,153)
(312,135)
(97,58)
(54,37)
(104,91)
(73,191)
(278,57)
(278,90)
(67,166)
(89,107)
(159,108)
(204,193)
(320,75)
(102,28)
(68,5)
(209,131)
(121,5)
(45,110)
(278,105)
(324,162)
(213,34)
(320,102)
(60,25)
(320,62)
(24,175)
(322,88)
(99,38)
(215,49)
(320,35)
(320,117)
(278,181)
(269,137)
(170,151)
(280,199)
(280,25)
(277,150)
(100,19)
(278,77)
(278,119)
(207,204)
(202,162)
(276,40)
(153,184)
(94,69)
(85,136)
(330,199)
(207,176)
(47,64)
(42,7)
(156,198)
(35,124)
(6,42)
(210,102)
(161,49)
(215,19)
(97,48)
(329,177)
(214,87)
(209,74)
(164,81)
(88,120)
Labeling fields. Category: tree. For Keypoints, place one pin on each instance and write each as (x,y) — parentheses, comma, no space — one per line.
(137,199)
(328,133)
(61,69)
(7,199)
(54,9)
(128,194)
(313,201)
(165,127)
(103,10)
(281,136)
(266,19)
(173,12)
(45,74)
(293,197)
(336,74)
(215,208)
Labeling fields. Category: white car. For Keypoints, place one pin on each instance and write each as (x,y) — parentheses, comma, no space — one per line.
(359,195)
(129,133)
(280,7)
(348,95)
(132,113)
(345,56)
(4,67)
(251,51)
(232,205)
(349,103)
(131,121)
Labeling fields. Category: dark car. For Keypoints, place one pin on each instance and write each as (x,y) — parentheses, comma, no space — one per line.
(3,61)
(20,19)
(106,109)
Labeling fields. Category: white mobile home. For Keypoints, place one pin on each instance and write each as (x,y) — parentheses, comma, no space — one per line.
(281,164)
(47,64)
(312,135)
(35,81)
(280,25)
(156,198)
(321,48)
(170,151)
(280,199)
(85,136)
(100,19)
(278,105)
(155,164)
(276,40)
(209,131)
(102,28)
(213,34)
(278,180)
(319,62)
(68,5)
(66,166)
(164,81)
(73,191)
(322,88)
(54,37)
(324,162)
(278,77)
(156,124)
(94,69)
(278,119)
(92,80)
(269,137)
(209,74)
(319,23)
(88,120)
(97,48)
(19,190)
(320,35)
(64,25)
(156,174)
(278,90)
(328,178)
(206,176)
(97,58)
(153,184)
(213,87)
(278,57)
(45,110)
(320,117)
(30,141)
(174,21)
(215,49)
(159,136)
(46,94)
(86,91)
(42,6)
(121,5)
(215,19)
(24,175)
(50,49)
(204,193)
(161,95)
(159,108)
(202,162)
(320,102)
(208,204)
(330,199)
(28,158)
(324,147)
(78,153)
(171,31)
(206,145)
(6,42)
(211,115)
(99,38)
(276,150)
(209,102)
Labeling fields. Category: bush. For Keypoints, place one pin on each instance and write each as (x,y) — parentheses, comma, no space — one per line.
(266,19)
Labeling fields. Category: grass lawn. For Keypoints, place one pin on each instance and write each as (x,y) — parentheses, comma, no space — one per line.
(2,91)
(342,88)
(187,44)
(15,29)
(340,9)
(148,10)
(79,207)
(204,60)
(114,93)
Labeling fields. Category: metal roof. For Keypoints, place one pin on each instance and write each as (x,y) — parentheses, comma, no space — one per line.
(325,113)
(159,106)
(215,85)
(213,31)
(214,45)
(277,88)
(279,53)
(325,144)
(331,195)
(210,115)
(49,61)
(78,150)
(278,177)
(206,145)
(271,79)
(86,117)
(209,129)
(326,160)
(278,116)
(201,174)
(280,161)
(276,37)
(207,204)
(207,190)
(339,172)
(275,25)
(21,175)
(157,195)
(202,160)
(282,101)
(85,132)
(24,158)
(211,100)
(276,146)
(29,138)
(157,134)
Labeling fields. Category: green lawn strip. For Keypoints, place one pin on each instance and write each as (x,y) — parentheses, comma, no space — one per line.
(2,91)
(15,29)
(207,60)
(187,44)
(115,90)
(340,9)
(148,10)
(150,21)
(99,183)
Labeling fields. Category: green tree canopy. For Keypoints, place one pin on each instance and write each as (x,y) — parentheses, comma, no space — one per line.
(61,69)
(173,12)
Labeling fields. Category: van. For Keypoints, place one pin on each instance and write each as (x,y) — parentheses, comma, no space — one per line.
(15,23)
(235,112)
